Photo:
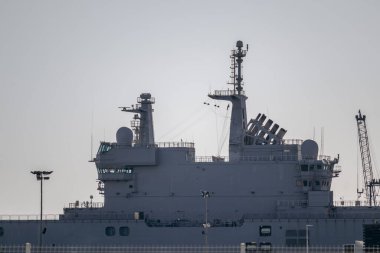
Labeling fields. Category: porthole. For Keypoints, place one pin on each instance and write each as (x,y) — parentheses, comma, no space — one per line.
(110,231)
(124,231)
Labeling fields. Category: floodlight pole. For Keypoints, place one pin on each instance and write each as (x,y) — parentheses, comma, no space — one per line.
(41,176)
(41,205)
(307,237)
(206,195)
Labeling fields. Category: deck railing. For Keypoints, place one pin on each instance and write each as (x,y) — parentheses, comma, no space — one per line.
(226,93)
(292,141)
(148,248)
(211,159)
(180,144)
(29,217)
(86,204)
(352,203)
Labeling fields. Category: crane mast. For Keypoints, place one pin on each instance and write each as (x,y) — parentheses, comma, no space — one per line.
(369,182)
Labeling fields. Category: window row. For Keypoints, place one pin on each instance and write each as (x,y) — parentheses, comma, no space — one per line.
(111,231)
(126,170)
(309,183)
(312,167)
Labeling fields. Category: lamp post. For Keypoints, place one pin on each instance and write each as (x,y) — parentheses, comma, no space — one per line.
(307,237)
(206,225)
(41,176)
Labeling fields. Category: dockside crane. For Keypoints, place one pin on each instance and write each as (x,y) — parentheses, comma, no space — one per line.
(370,182)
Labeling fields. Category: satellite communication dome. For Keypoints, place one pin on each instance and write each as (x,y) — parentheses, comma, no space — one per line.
(124,136)
(309,149)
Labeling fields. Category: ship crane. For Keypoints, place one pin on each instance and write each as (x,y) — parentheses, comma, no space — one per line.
(369,182)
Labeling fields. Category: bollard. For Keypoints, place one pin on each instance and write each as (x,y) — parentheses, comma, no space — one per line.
(242,247)
(28,247)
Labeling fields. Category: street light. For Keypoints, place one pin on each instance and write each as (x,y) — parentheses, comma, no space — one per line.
(41,176)
(206,225)
(307,237)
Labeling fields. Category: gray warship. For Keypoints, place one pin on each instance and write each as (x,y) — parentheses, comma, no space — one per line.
(269,190)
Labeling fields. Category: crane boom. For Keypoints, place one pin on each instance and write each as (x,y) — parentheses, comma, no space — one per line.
(369,181)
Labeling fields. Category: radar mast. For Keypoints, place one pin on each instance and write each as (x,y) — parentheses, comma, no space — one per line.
(237,98)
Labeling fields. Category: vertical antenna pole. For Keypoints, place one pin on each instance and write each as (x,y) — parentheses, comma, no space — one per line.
(42,178)
(239,55)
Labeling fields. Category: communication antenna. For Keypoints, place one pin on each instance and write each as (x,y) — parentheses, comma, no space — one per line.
(322,141)
(92,135)
(236,76)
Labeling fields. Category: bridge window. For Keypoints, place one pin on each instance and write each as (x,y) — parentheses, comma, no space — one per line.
(104,147)
(124,231)
(304,167)
(1,231)
(265,230)
(110,231)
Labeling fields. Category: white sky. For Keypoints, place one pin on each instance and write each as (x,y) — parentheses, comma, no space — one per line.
(311,64)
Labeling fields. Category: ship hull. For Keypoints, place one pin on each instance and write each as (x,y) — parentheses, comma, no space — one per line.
(283,232)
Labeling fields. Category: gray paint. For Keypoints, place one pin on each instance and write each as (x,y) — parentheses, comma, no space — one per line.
(262,184)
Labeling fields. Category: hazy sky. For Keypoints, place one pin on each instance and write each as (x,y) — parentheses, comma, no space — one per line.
(65,67)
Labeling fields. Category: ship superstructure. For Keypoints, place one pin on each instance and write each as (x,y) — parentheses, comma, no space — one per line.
(268,190)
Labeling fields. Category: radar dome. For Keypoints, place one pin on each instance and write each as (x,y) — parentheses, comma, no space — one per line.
(124,136)
(309,149)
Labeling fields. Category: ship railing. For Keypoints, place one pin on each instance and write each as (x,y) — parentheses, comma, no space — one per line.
(358,214)
(85,204)
(277,157)
(87,216)
(291,246)
(211,159)
(180,144)
(324,157)
(352,203)
(292,141)
(273,157)
(226,92)
(31,217)
(319,157)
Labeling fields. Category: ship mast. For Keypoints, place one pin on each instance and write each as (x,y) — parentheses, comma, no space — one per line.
(239,54)
(143,121)
(237,98)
